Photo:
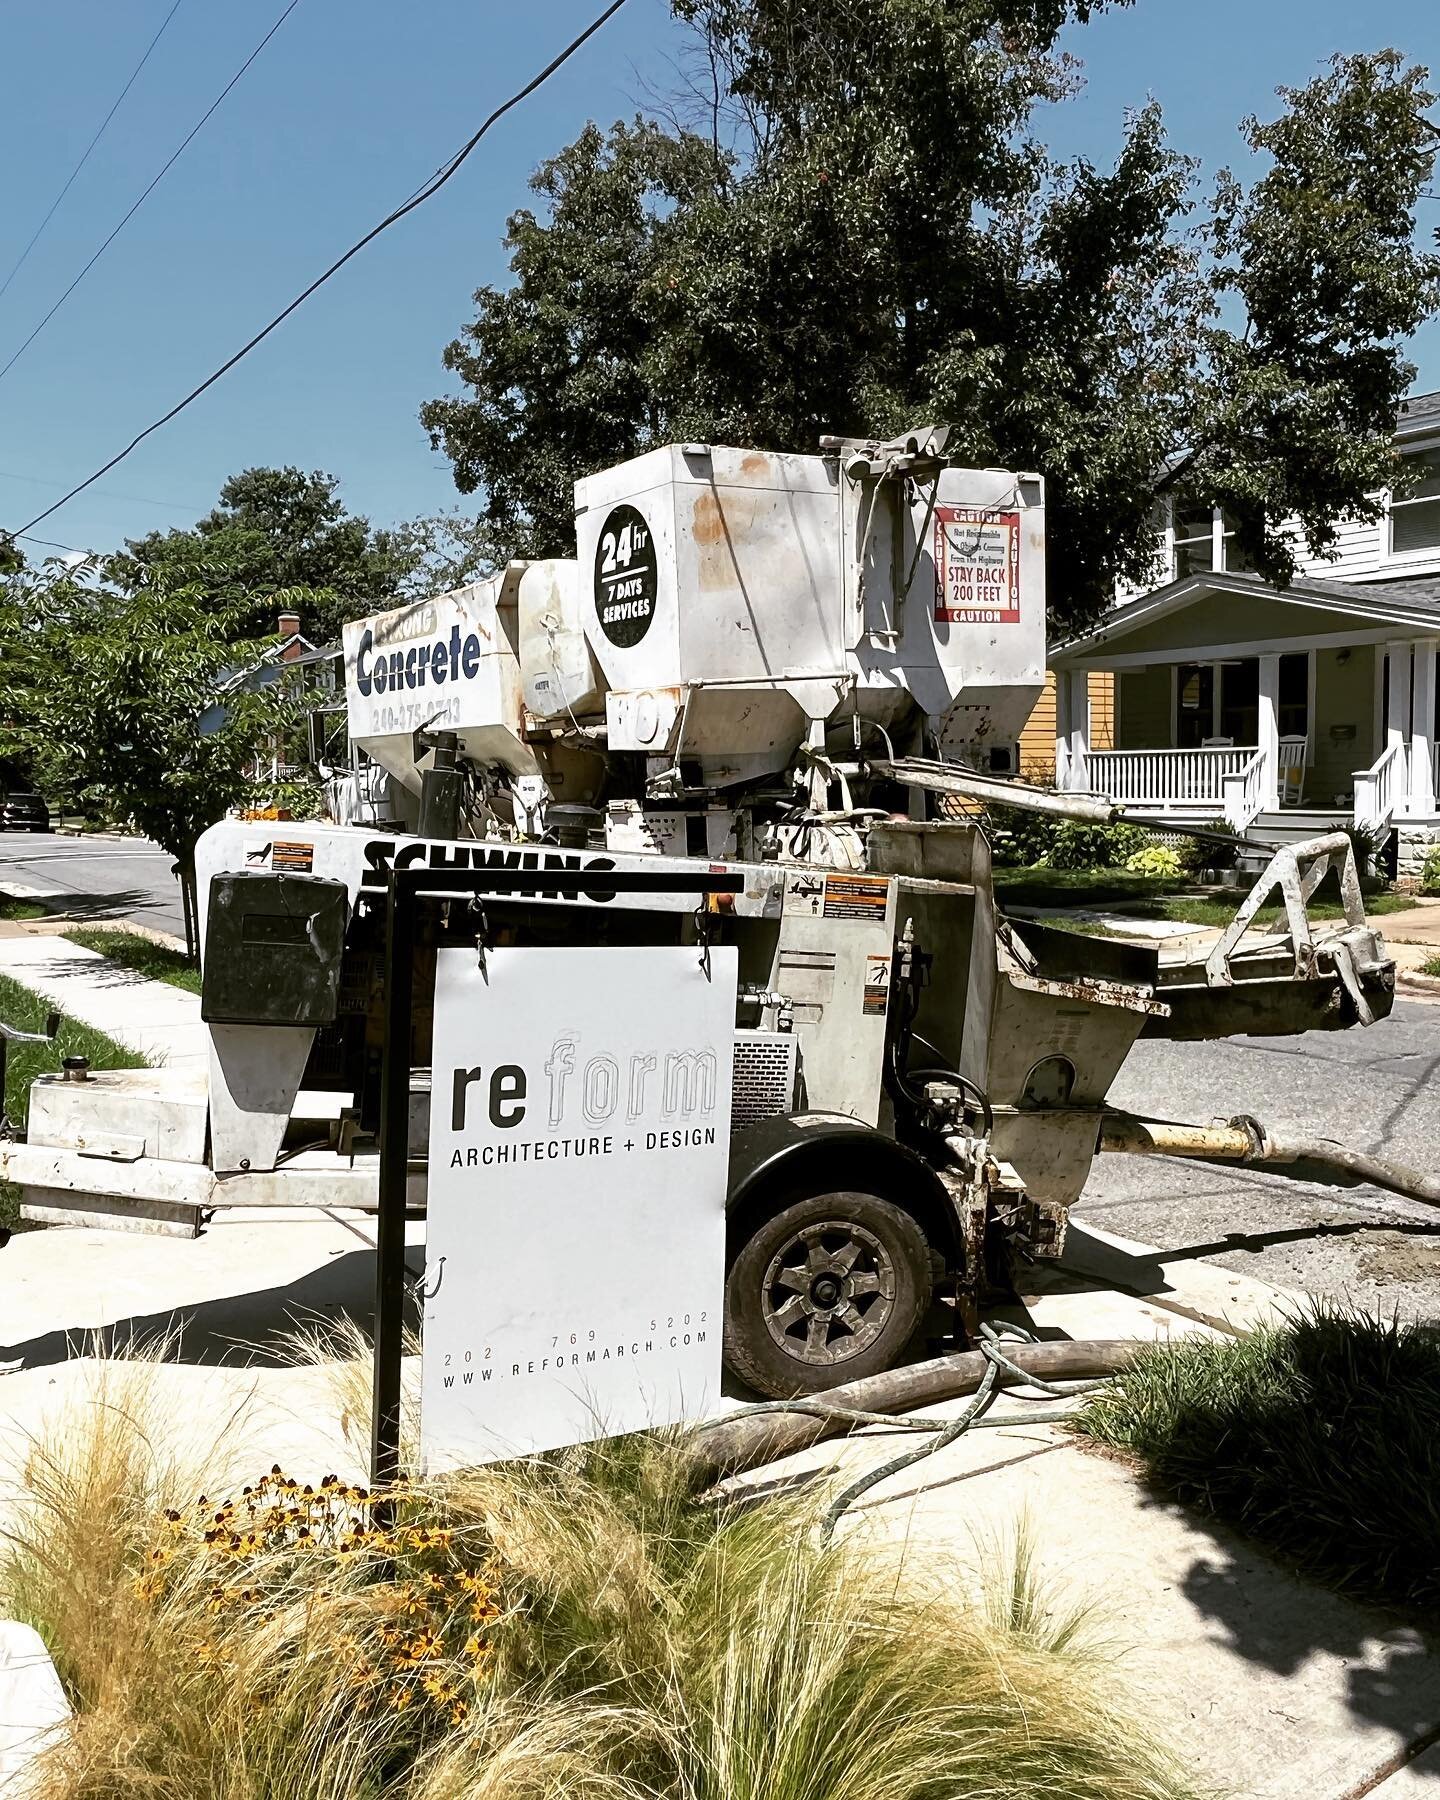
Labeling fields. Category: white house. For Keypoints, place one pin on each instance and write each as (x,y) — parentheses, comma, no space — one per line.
(1287,711)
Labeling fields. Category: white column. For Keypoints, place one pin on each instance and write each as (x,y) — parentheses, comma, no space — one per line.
(1078,709)
(1062,729)
(1269,732)
(1422,730)
(1397,714)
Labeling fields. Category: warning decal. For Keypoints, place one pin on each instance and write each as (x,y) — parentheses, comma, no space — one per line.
(292,859)
(977,566)
(856,897)
(877,984)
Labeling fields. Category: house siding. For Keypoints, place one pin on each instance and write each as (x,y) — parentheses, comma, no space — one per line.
(1362,547)
(1037,740)
(1144,708)
(1344,695)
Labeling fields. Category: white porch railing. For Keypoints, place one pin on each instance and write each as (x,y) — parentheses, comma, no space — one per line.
(1379,789)
(1163,780)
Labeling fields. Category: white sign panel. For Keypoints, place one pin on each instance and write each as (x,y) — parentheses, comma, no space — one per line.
(579,1152)
(445,663)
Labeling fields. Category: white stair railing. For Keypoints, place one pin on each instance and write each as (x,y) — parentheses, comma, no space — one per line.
(1243,794)
(1378,789)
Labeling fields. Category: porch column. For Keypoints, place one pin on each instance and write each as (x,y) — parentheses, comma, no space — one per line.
(1422,730)
(1268,736)
(1062,728)
(1077,720)
(1397,716)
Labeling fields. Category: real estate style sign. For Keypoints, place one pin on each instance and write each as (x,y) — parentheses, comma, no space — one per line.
(579,1147)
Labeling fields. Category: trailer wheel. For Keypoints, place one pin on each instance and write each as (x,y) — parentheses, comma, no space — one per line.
(830,1289)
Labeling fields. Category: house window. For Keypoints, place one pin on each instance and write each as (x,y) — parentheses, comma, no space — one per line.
(1194,540)
(1294,707)
(1232,557)
(1415,519)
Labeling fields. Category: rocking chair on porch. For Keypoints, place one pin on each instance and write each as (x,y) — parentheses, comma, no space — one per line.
(1292,770)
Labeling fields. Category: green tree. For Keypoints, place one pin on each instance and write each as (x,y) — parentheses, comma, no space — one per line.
(853,227)
(105,692)
(276,531)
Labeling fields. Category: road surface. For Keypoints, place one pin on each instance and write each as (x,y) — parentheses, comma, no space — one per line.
(1374,1090)
(94,879)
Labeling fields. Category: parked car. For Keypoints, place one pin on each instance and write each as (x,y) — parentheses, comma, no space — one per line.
(22,810)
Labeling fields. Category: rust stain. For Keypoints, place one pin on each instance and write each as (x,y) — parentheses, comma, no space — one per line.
(707,525)
(756,463)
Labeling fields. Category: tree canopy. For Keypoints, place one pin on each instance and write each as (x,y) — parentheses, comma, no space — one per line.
(277,539)
(105,690)
(848,223)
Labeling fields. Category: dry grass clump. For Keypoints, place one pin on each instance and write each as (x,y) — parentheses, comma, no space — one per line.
(571,1627)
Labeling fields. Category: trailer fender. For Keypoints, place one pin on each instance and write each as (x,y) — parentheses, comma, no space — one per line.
(768,1160)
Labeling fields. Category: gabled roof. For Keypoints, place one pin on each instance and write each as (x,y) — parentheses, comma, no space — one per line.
(1414,603)
(1419,415)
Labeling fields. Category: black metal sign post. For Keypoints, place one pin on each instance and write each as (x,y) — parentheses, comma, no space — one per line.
(408,888)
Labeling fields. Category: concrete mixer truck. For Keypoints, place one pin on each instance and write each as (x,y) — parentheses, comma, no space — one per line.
(804,674)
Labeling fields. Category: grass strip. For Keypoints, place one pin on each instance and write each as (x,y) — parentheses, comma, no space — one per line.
(12,908)
(157,962)
(1319,1438)
(22,1007)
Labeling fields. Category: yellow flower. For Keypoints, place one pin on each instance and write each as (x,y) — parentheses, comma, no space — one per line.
(400,1698)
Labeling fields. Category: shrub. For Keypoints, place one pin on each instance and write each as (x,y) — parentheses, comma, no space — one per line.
(1320,1437)
(1157,860)
(1197,855)
(1018,838)
(1430,871)
(1079,846)
(576,1624)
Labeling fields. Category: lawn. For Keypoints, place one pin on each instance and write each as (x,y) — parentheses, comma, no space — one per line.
(1151,897)
(21,1007)
(156,961)
(10,908)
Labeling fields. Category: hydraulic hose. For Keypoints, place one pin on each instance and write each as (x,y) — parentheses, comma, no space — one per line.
(1246,1140)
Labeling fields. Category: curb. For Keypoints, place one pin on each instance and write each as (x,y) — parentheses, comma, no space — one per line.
(1413,982)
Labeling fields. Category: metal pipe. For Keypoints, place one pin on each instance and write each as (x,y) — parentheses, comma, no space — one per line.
(729,1445)
(998,790)
(1246,1140)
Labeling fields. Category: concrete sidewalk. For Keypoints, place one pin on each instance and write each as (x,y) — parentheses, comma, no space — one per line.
(159,1021)
(1271,1687)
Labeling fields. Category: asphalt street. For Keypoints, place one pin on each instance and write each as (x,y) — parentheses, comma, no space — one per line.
(94,879)
(1374,1089)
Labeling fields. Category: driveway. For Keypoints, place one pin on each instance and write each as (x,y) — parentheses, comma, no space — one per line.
(1376,1090)
(94,879)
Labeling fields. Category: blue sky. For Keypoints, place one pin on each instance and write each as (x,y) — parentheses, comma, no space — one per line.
(351,105)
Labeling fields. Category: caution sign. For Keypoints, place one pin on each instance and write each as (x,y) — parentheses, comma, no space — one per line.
(977,566)
(856,897)
(626,579)
(877,985)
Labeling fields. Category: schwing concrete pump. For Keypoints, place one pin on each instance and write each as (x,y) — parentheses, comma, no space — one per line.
(809,672)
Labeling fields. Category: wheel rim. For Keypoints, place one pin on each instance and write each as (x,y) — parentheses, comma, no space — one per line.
(829,1292)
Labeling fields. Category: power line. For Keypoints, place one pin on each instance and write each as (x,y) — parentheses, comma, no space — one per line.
(104,124)
(189,139)
(182,506)
(418,198)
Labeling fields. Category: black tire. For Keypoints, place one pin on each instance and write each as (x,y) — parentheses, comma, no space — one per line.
(865,1294)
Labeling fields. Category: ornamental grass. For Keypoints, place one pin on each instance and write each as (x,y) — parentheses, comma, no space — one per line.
(576,1625)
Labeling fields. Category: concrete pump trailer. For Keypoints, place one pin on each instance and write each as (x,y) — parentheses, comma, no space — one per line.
(806,674)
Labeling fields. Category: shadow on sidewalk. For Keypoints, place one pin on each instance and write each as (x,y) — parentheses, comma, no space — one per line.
(236,1330)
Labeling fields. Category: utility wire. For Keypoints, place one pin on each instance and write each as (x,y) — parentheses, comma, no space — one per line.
(104,123)
(422,194)
(193,133)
